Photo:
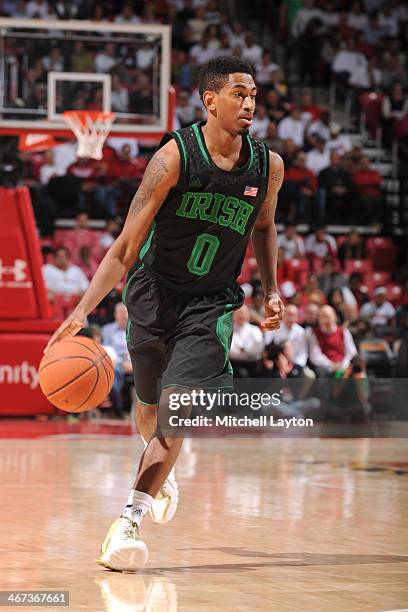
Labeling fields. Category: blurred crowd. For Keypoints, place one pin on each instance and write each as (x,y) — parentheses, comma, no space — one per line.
(341,290)
(346,298)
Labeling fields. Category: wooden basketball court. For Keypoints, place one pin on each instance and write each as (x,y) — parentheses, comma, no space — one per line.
(263,524)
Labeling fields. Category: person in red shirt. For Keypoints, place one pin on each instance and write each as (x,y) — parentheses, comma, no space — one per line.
(123,176)
(368,183)
(303,185)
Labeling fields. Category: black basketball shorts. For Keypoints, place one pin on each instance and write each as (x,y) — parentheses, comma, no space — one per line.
(177,339)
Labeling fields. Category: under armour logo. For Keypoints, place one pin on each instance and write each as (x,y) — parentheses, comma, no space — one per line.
(17,270)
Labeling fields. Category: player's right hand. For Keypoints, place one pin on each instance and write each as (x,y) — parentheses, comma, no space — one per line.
(70,327)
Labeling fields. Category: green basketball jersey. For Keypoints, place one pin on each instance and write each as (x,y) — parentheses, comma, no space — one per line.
(197,241)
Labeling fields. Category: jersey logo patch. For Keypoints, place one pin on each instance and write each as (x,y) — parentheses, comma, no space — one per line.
(250,191)
(196,183)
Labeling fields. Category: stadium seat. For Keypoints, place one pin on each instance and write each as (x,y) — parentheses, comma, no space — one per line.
(394,294)
(371,110)
(377,355)
(358,265)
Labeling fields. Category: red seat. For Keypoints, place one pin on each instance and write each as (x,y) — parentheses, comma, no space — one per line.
(394,294)
(358,265)
(371,110)
(377,242)
(375,279)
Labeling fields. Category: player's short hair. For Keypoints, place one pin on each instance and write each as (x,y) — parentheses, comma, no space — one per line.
(214,74)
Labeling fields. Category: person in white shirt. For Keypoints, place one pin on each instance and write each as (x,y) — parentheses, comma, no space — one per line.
(292,127)
(338,142)
(37,9)
(119,95)
(247,344)
(252,52)
(63,278)
(127,15)
(105,60)
(349,60)
(260,123)
(291,243)
(379,311)
(114,334)
(49,169)
(321,244)
(331,346)
(264,68)
(320,126)
(318,158)
(357,19)
(290,330)
(304,15)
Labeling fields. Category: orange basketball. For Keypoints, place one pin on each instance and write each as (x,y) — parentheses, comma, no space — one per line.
(76,374)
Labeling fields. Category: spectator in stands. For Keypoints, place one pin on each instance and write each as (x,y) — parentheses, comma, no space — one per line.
(257,308)
(291,243)
(394,108)
(184,109)
(265,68)
(109,235)
(252,52)
(82,235)
(331,346)
(127,15)
(338,141)
(350,394)
(355,286)
(290,330)
(289,151)
(37,9)
(305,184)
(292,127)
(260,123)
(311,291)
(379,312)
(336,301)
(119,95)
(336,190)
(246,346)
(303,16)
(275,106)
(272,141)
(319,127)
(95,332)
(347,66)
(353,247)
(310,316)
(62,277)
(105,60)
(369,182)
(321,244)
(318,158)
(49,169)
(82,60)
(357,18)
(330,278)
(114,335)
(53,61)
(87,262)
(122,177)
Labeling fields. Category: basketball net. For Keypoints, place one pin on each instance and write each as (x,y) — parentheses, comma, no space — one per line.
(91,129)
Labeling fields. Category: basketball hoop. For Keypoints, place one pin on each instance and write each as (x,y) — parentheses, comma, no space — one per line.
(91,129)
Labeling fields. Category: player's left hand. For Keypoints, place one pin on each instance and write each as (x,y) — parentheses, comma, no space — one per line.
(274,309)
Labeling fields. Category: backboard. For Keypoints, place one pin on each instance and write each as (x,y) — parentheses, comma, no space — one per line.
(48,67)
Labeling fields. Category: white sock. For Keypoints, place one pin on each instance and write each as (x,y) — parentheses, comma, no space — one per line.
(138,504)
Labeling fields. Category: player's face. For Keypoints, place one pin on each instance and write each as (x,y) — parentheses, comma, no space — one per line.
(235,103)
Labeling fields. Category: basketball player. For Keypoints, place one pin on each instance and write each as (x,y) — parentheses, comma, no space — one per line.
(205,192)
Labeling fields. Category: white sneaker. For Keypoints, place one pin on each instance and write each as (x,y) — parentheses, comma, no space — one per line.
(166,501)
(123,550)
